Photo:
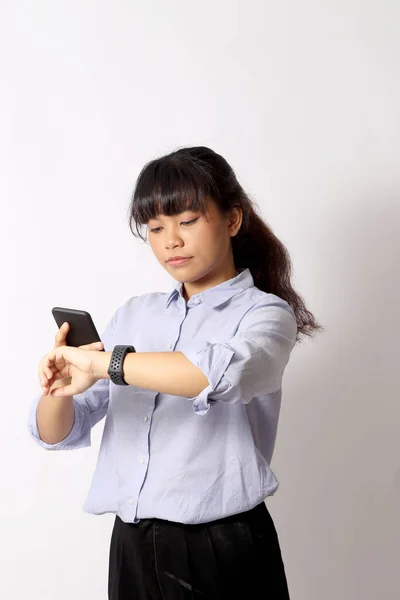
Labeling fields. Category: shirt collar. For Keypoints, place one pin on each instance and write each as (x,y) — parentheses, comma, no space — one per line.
(218,294)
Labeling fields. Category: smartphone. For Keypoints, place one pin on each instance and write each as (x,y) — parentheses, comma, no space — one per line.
(81,327)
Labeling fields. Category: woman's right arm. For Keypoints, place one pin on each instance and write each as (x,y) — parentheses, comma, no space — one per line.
(66,423)
(55,417)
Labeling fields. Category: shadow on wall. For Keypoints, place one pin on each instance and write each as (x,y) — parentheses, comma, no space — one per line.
(338,448)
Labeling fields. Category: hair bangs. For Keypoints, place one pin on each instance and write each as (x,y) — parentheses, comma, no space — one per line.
(169,187)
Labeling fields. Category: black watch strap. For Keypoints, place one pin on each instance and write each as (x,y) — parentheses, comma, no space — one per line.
(116,362)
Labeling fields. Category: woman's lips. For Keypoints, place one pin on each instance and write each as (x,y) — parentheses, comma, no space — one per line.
(177,263)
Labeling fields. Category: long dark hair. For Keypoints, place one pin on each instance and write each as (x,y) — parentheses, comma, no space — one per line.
(183,180)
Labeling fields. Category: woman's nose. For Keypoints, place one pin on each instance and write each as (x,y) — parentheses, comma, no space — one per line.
(173,240)
(173,244)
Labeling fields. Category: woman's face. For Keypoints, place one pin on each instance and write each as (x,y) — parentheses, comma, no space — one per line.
(205,240)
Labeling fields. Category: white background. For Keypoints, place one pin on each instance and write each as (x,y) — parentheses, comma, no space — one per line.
(302,98)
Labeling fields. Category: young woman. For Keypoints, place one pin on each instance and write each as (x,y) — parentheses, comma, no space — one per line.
(190,384)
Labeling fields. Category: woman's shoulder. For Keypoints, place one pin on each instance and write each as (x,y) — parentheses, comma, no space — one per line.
(259,298)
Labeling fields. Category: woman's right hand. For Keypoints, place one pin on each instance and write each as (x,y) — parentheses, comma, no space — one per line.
(60,340)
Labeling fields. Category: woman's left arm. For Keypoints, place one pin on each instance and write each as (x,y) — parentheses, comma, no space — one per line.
(251,363)
(164,372)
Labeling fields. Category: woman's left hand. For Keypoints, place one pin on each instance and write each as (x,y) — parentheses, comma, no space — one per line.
(68,361)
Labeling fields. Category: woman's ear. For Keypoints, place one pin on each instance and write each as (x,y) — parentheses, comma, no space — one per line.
(235,220)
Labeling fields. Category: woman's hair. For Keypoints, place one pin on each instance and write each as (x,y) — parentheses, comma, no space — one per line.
(184,180)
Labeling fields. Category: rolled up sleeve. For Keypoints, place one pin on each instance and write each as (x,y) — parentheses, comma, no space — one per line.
(89,407)
(252,362)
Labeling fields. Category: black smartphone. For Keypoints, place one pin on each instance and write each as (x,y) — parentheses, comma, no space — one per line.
(81,327)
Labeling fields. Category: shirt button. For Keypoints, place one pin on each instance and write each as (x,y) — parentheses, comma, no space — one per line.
(169,345)
(130,501)
(142,460)
(145,419)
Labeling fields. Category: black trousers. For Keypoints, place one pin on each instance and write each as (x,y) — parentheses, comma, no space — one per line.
(234,557)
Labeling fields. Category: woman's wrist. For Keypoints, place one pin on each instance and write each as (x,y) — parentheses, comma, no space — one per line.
(101,364)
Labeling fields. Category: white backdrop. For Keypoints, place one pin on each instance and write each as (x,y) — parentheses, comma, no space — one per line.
(303,99)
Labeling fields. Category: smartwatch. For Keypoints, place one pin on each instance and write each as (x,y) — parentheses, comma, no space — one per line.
(116,363)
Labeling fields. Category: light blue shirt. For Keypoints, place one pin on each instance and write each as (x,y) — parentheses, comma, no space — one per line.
(190,460)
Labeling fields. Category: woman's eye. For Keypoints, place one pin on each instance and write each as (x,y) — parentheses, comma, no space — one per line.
(157,229)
